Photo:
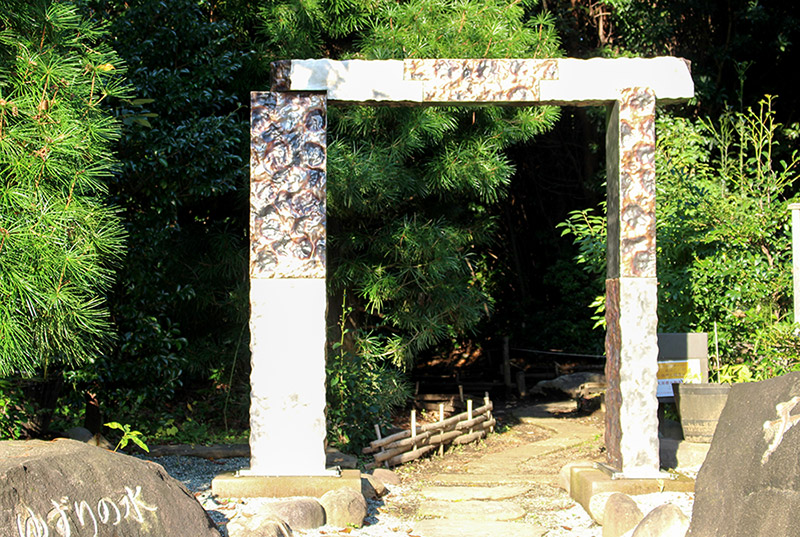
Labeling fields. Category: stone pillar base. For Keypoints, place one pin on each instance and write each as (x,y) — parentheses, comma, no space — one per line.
(230,485)
(588,482)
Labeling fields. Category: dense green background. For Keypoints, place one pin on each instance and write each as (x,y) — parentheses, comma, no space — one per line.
(443,222)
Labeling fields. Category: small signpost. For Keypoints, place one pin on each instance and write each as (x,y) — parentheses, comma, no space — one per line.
(795,209)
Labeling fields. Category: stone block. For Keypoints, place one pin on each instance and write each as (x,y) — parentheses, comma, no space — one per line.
(586,483)
(230,485)
(298,513)
(258,525)
(471,510)
(748,485)
(558,81)
(371,487)
(437,527)
(682,455)
(631,433)
(565,474)
(387,476)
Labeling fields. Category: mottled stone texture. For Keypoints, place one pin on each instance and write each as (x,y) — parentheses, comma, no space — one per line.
(287,378)
(566,81)
(287,283)
(287,185)
(480,80)
(631,368)
(630,154)
(613,395)
(631,322)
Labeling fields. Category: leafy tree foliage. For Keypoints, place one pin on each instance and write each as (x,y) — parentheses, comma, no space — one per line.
(410,188)
(181,303)
(724,251)
(58,236)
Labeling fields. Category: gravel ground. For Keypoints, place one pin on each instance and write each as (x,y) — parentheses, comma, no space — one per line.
(389,516)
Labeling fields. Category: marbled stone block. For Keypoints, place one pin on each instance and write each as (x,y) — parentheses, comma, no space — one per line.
(572,81)
(287,185)
(630,161)
(480,81)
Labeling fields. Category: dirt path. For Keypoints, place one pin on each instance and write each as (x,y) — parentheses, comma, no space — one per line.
(508,484)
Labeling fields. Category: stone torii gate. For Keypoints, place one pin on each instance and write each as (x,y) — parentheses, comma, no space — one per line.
(288,237)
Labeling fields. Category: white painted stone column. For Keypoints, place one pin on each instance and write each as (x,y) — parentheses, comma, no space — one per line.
(287,284)
(631,435)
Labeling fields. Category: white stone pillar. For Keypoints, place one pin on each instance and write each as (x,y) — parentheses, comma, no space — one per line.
(287,284)
(631,435)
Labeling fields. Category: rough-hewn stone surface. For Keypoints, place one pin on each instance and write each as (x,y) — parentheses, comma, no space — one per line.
(748,485)
(631,435)
(664,521)
(344,508)
(387,476)
(66,487)
(371,487)
(568,385)
(621,515)
(298,513)
(500,81)
(258,525)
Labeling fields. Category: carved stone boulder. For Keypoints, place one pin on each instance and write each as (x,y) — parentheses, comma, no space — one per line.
(748,485)
(66,487)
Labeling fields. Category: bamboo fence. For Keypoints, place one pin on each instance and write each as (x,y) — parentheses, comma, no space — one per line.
(417,441)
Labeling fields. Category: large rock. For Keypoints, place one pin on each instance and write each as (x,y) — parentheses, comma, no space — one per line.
(258,525)
(748,485)
(387,476)
(621,515)
(569,385)
(344,507)
(66,487)
(371,487)
(334,457)
(300,513)
(664,521)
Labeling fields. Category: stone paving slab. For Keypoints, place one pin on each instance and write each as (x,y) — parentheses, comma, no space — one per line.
(471,510)
(456,494)
(481,478)
(472,528)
